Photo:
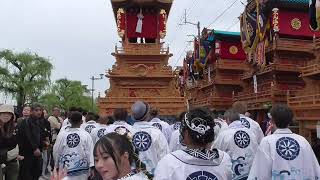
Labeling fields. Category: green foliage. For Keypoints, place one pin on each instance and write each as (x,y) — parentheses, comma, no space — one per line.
(67,93)
(23,75)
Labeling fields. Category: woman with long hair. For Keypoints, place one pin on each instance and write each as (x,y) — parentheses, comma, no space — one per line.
(116,159)
(198,160)
(9,151)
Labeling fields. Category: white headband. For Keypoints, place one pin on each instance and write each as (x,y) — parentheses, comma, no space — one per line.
(201,128)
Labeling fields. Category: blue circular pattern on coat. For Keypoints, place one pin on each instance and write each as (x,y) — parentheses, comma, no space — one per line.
(241,139)
(245,122)
(202,175)
(287,148)
(100,133)
(89,128)
(73,140)
(157,125)
(141,141)
(177,125)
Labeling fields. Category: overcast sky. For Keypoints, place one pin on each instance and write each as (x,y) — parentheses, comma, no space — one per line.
(78,36)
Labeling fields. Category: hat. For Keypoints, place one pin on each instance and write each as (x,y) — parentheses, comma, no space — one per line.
(140,110)
(6,108)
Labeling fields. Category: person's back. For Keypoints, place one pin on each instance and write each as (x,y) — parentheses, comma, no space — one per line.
(193,164)
(73,150)
(148,140)
(247,121)
(151,144)
(241,145)
(284,155)
(90,123)
(239,142)
(198,160)
(164,127)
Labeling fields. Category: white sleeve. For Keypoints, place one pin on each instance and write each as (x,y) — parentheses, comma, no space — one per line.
(219,142)
(167,132)
(90,151)
(262,164)
(162,146)
(163,171)
(259,133)
(58,149)
(173,142)
(228,164)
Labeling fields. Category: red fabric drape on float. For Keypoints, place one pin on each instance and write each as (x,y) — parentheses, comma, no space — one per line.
(231,50)
(295,24)
(149,26)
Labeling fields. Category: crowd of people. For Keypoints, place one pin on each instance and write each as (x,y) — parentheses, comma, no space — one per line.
(200,145)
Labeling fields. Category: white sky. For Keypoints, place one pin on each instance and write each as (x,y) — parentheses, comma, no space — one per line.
(79,35)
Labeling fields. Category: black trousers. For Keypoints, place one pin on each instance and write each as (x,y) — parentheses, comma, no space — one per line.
(30,168)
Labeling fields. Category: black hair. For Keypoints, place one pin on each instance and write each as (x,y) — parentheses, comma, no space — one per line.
(282,115)
(154,112)
(110,120)
(114,142)
(181,116)
(120,114)
(90,116)
(84,112)
(35,106)
(75,118)
(97,117)
(73,108)
(207,120)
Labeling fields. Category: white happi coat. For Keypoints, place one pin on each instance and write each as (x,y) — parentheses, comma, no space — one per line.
(241,145)
(253,125)
(73,150)
(164,127)
(89,126)
(99,132)
(175,142)
(151,144)
(120,127)
(284,155)
(194,165)
(220,125)
(175,126)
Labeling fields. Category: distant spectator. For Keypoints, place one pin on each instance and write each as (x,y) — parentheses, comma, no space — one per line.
(25,113)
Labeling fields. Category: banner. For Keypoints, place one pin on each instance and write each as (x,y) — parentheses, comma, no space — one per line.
(121,22)
(260,53)
(295,24)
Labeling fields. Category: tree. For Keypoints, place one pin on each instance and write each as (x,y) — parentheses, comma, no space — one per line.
(23,75)
(67,93)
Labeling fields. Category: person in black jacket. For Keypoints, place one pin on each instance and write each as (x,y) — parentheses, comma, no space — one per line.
(31,138)
(8,144)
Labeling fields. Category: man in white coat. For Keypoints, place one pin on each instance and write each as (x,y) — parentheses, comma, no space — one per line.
(148,140)
(90,123)
(198,161)
(284,155)
(164,127)
(73,150)
(101,130)
(120,125)
(239,142)
(249,123)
